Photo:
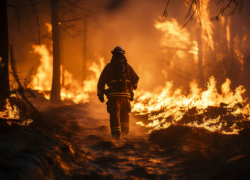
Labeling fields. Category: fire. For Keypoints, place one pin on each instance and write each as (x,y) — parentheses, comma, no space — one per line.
(177,38)
(228,32)
(76,92)
(43,78)
(10,112)
(13,113)
(72,89)
(172,104)
(89,85)
(196,109)
(207,31)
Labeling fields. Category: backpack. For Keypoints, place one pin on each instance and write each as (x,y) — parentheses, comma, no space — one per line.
(121,82)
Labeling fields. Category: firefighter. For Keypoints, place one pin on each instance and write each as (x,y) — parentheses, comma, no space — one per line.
(121,79)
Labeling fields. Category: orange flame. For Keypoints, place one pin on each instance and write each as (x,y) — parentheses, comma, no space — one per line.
(176,38)
(42,80)
(13,114)
(10,112)
(170,106)
(170,103)
(207,31)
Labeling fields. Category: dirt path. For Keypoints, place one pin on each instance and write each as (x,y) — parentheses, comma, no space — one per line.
(98,156)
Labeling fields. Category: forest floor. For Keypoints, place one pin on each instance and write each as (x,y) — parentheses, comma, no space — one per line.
(74,142)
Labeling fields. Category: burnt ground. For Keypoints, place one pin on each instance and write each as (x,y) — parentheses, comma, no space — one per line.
(74,142)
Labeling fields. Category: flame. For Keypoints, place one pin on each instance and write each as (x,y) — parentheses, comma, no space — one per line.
(173,104)
(207,32)
(49,27)
(13,113)
(177,38)
(89,85)
(43,78)
(228,32)
(10,112)
(72,89)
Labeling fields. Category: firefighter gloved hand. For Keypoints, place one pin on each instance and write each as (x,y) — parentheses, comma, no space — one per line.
(101,98)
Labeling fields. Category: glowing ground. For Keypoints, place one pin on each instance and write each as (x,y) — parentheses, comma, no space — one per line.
(87,151)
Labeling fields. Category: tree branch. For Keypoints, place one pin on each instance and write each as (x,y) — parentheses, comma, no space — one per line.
(18,22)
(65,30)
(13,6)
(196,11)
(74,4)
(15,75)
(74,19)
(237,3)
(38,25)
(165,13)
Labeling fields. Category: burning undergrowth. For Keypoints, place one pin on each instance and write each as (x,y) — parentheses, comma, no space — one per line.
(201,129)
(225,113)
(16,108)
(16,111)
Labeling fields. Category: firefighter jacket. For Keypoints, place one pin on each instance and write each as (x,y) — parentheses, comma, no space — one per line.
(107,77)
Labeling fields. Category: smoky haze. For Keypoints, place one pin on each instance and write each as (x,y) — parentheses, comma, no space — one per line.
(131,24)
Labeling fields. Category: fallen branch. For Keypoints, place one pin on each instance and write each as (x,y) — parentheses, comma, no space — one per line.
(15,75)
(38,25)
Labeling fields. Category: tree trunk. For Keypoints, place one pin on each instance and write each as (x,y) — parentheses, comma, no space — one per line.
(232,33)
(55,90)
(84,60)
(200,66)
(4,50)
(62,62)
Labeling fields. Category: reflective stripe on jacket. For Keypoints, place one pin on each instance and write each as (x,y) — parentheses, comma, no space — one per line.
(107,76)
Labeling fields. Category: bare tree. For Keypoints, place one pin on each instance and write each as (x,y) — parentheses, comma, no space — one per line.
(55,89)
(4,50)
(193,13)
(64,14)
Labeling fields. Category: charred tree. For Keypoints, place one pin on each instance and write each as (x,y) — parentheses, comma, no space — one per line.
(55,89)
(4,50)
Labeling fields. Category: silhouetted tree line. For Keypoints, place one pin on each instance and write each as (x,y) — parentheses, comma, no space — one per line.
(63,16)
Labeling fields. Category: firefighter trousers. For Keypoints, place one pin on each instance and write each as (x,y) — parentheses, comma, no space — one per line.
(119,109)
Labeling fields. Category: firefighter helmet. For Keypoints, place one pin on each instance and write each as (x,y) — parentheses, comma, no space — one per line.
(118,49)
